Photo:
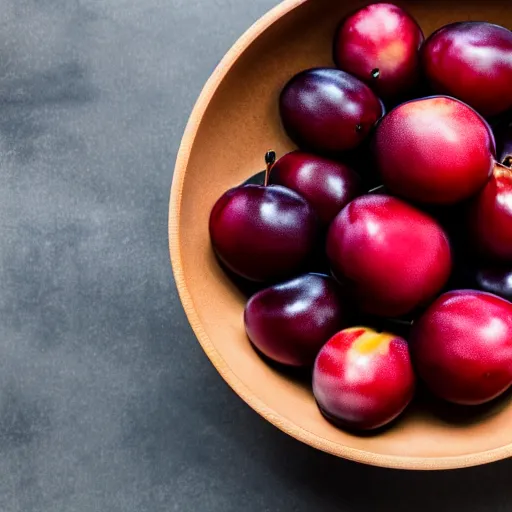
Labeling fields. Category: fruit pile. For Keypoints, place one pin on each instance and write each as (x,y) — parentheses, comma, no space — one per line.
(380,251)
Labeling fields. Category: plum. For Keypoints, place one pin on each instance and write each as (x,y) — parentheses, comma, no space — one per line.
(490,218)
(328,111)
(462,346)
(471,61)
(263,233)
(380,45)
(434,150)
(362,379)
(327,185)
(496,280)
(392,256)
(291,321)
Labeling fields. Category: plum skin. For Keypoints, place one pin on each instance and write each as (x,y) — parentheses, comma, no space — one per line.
(291,321)
(392,256)
(471,61)
(490,220)
(462,346)
(434,150)
(328,111)
(326,184)
(380,38)
(495,280)
(362,379)
(263,233)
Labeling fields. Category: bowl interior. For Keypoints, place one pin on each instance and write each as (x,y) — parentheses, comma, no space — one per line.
(235,122)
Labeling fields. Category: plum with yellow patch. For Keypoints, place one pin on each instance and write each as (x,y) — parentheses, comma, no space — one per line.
(362,379)
(434,150)
(380,45)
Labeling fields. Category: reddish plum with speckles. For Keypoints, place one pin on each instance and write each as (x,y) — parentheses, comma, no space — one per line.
(328,111)
(291,321)
(472,62)
(434,150)
(327,185)
(363,379)
(263,233)
(391,255)
(380,45)
(462,346)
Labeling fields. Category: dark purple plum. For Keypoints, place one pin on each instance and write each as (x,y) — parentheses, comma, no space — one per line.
(327,185)
(496,280)
(328,111)
(380,44)
(263,233)
(291,321)
(471,61)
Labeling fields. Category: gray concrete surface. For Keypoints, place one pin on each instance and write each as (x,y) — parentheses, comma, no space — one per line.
(107,402)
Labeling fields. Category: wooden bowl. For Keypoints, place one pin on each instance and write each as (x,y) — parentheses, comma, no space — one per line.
(234,122)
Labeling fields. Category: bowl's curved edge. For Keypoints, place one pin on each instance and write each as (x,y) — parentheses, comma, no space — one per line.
(285,425)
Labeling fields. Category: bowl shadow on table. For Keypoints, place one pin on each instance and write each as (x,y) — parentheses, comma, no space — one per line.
(338,484)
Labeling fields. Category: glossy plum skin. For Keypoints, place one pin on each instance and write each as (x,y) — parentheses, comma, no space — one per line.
(495,280)
(328,111)
(434,150)
(392,256)
(490,220)
(471,61)
(380,45)
(462,346)
(263,233)
(291,321)
(327,185)
(362,379)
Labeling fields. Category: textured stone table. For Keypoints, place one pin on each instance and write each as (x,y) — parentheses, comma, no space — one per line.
(107,403)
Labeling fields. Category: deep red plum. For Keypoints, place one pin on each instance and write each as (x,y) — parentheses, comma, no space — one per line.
(490,220)
(391,255)
(462,346)
(380,45)
(434,150)
(471,61)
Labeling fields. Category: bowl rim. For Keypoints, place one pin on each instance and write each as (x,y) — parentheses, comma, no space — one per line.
(282,423)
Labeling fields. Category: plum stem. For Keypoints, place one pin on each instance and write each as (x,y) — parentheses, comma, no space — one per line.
(376,190)
(270,160)
(375,73)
